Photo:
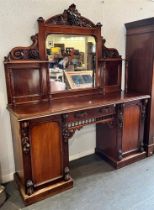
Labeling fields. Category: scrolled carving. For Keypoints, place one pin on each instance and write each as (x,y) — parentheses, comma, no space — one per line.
(29,187)
(67,173)
(109,52)
(33,54)
(24,53)
(25,137)
(71,16)
(26,145)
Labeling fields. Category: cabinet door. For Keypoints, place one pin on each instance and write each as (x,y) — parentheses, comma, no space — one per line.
(131,128)
(46,152)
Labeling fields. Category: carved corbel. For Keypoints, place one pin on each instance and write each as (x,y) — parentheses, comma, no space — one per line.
(29,187)
(67,134)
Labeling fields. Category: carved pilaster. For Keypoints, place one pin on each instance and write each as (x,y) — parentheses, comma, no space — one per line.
(67,173)
(25,137)
(120,115)
(143,106)
(143,109)
(29,187)
(120,119)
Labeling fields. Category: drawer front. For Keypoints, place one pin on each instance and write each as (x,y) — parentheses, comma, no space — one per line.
(88,116)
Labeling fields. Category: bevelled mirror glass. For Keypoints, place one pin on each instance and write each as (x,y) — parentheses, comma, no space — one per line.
(72,61)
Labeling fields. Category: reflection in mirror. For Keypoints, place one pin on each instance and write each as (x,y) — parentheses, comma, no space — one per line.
(72,61)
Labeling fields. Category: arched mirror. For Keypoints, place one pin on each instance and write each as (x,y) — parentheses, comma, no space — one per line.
(72,44)
(72,61)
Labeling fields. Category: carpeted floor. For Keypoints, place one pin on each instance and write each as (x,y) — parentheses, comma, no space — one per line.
(97,186)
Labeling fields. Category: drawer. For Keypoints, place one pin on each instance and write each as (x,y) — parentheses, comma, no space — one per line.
(89,114)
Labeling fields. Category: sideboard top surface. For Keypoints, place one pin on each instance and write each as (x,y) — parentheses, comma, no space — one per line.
(32,111)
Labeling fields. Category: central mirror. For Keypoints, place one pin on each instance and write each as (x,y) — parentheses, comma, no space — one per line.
(72,61)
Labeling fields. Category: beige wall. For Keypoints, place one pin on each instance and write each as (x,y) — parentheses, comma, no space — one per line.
(18,23)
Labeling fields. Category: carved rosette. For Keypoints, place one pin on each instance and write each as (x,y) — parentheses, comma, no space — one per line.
(25,137)
(29,187)
(71,16)
(25,53)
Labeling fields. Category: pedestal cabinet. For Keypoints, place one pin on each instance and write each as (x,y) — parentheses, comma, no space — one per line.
(140,69)
(41,157)
(121,142)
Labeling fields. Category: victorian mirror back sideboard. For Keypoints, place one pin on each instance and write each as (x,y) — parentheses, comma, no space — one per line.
(65,80)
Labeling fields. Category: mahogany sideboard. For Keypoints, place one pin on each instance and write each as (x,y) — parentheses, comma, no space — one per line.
(43,120)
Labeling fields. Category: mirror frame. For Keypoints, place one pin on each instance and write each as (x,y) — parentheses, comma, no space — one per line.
(25,64)
(70,22)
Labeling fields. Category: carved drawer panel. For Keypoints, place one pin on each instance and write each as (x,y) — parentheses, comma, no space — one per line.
(86,117)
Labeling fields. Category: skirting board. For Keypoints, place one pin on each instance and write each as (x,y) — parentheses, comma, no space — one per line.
(10,177)
(7,178)
(81,154)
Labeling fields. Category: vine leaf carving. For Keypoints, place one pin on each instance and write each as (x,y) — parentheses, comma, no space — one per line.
(71,16)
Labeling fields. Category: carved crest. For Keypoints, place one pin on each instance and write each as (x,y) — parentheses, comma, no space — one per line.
(71,16)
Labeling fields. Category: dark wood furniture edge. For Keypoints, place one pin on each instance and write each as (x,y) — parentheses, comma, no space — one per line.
(19,117)
(140,23)
(43,193)
(125,161)
(150,149)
